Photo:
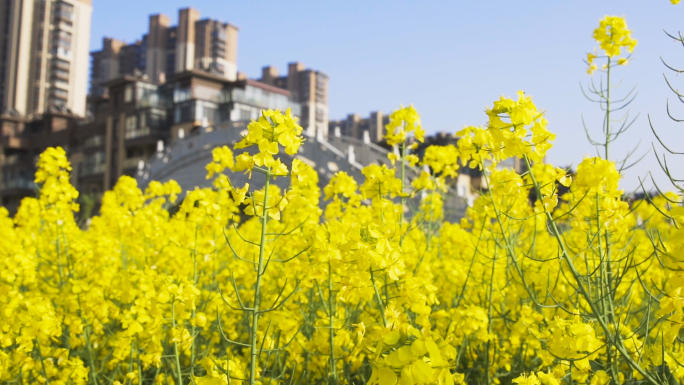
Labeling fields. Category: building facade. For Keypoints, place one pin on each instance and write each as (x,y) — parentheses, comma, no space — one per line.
(43,55)
(127,126)
(194,44)
(309,88)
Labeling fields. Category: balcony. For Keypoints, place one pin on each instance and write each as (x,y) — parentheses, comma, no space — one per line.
(198,92)
(93,141)
(182,94)
(133,162)
(150,101)
(93,169)
(19,183)
(143,132)
(64,11)
(264,99)
(60,64)
(60,75)
(14,159)
(63,53)
(61,84)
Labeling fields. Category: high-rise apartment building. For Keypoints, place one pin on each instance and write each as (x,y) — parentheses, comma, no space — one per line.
(115,59)
(44,56)
(355,126)
(202,44)
(309,88)
(212,51)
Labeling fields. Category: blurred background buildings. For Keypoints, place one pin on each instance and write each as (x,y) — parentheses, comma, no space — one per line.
(155,108)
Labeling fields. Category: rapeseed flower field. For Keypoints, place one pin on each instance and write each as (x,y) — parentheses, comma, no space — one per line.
(235,286)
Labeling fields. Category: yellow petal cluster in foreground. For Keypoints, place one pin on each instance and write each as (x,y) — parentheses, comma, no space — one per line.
(533,286)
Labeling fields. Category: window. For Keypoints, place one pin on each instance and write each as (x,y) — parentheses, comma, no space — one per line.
(61,44)
(130,123)
(65,11)
(131,129)
(61,83)
(61,64)
(59,93)
(128,93)
(182,94)
(208,111)
(184,113)
(142,120)
(171,63)
(93,141)
(157,119)
(64,40)
(93,163)
(245,114)
(60,73)
(220,33)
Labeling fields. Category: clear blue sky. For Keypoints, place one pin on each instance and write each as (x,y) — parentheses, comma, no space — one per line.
(450,58)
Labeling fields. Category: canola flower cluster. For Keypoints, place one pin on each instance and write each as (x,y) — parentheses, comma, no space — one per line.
(612,35)
(233,286)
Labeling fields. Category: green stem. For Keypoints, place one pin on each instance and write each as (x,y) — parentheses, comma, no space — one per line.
(489,317)
(403,198)
(378,298)
(90,355)
(130,363)
(257,289)
(577,277)
(42,363)
(59,264)
(89,348)
(607,108)
(605,284)
(175,344)
(137,346)
(194,312)
(331,314)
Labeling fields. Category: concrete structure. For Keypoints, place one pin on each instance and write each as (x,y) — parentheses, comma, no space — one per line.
(44,56)
(207,45)
(354,126)
(184,161)
(309,88)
